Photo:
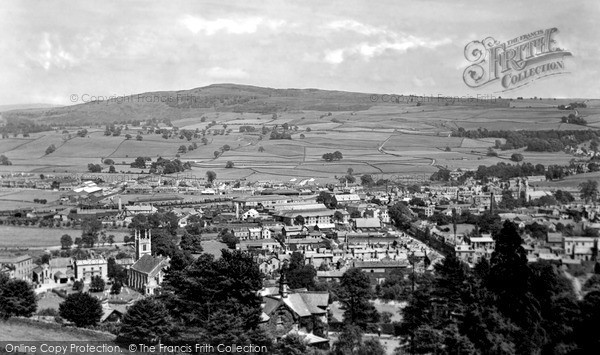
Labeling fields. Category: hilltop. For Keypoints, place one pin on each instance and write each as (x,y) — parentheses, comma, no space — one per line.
(175,105)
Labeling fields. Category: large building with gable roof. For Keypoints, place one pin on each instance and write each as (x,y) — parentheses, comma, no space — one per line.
(148,271)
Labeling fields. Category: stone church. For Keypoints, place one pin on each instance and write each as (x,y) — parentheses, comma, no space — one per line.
(148,271)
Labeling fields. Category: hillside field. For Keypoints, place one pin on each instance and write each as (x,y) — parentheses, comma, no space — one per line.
(374,138)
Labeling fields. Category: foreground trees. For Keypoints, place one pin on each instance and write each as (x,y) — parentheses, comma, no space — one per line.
(504,306)
(17,298)
(354,294)
(81,308)
(146,321)
(215,301)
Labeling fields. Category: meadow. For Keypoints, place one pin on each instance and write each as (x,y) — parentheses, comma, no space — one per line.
(11,237)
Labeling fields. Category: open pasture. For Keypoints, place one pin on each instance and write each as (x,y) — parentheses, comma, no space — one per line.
(42,237)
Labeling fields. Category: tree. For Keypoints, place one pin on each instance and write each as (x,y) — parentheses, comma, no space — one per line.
(349,340)
(78,285)
(299,219)
(298,274)
(509,277)
(81,308)
(211,176)
(191,243)
(146,321)
(261,149)
(50,149)
(111,239)
(90,230)
(111,169)
(371,346)
(140,163)
(366,179)
(182,149)
(228,238)
(115,289)
(4,160)
(401,215)
(291,344)
(229,164)
(17,298)
(219,298)
(588,338)
(139,137)
(338,216)
(115,271)
(97,284)
(589,190)
(327,199)
(94,168)
(516,157)
(66,241)
(355,292)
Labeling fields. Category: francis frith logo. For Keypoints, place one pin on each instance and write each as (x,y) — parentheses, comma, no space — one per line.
(514,63)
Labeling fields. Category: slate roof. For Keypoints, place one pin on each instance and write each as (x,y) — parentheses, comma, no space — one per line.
(149,264)
(302,303)
(60,262)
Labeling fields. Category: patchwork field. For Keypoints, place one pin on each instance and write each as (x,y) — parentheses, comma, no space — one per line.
(384,139)
(42,237)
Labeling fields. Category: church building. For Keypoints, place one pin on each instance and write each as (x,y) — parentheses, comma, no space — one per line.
(148,271)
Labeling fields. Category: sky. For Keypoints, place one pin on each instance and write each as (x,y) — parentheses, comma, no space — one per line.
(52,49)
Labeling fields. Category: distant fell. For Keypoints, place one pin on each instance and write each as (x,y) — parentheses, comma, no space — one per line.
(174,105)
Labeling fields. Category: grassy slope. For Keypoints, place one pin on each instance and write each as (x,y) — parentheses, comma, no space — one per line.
(25,330)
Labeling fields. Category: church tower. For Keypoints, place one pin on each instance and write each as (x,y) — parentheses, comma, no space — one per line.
(143,243)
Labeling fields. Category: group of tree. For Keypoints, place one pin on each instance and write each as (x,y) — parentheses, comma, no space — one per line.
(246,128)
(276,133)
(94,168)
(17,298)
(163,227)
(502,306)
(167,166)
(207,301)
(539,141)
(112,130)
(140,162)
(299,274)
(574,119)
(572,106)
(589,190)
(4,160)
(337,155)
(21,125)
(90,232)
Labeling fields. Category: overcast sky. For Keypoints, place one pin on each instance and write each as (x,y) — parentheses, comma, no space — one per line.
(51,49)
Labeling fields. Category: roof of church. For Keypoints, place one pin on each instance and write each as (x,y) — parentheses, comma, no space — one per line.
(149,264)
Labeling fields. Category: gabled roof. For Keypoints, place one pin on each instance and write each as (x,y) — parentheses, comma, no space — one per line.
(149,264)
(302,303)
